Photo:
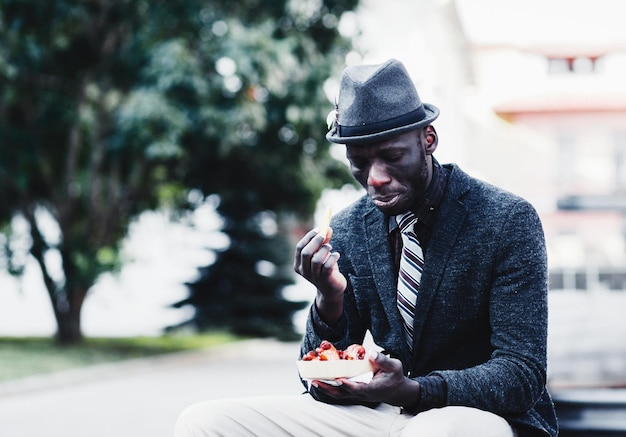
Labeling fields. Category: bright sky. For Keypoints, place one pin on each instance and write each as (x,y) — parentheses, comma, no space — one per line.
(569,22)
(396,28)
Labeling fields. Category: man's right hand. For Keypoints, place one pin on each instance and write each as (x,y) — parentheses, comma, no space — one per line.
(317,263)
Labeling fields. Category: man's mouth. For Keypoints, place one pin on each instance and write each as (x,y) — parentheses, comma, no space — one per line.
(386,201)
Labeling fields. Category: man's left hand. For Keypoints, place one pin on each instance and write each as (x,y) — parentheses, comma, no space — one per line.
(388,385)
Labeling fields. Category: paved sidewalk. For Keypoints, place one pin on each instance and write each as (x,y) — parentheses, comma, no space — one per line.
(143,397)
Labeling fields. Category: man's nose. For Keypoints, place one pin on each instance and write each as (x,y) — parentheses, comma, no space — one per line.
(377,176)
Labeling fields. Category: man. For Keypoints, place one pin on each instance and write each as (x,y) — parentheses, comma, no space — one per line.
(446,272)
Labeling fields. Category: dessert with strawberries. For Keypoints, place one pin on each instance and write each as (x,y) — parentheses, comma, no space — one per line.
(327,362)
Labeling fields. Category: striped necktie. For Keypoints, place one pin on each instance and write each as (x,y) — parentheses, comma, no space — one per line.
(411,264)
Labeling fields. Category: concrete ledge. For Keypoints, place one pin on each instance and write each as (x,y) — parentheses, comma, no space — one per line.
(591,412)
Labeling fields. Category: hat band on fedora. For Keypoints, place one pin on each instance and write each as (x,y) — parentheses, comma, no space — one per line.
(404,120)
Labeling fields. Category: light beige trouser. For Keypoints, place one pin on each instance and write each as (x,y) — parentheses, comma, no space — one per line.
(302,416)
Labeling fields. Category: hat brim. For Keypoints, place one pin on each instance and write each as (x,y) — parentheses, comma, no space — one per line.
(432,112)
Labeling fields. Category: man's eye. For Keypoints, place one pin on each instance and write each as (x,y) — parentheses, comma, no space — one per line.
(393,158)
(358,163)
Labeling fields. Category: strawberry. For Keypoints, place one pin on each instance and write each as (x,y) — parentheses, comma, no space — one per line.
(327,351)
(354,352)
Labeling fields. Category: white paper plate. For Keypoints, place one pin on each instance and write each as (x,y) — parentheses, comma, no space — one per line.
(333,369)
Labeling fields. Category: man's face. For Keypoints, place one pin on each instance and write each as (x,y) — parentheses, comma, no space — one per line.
(395,172)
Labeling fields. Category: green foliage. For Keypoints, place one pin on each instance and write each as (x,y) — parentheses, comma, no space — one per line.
(111,108)
(28,356)
(242,290)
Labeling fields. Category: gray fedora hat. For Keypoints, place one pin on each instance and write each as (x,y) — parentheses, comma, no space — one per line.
(376,102)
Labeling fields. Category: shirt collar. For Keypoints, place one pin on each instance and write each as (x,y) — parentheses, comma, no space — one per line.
(426,210)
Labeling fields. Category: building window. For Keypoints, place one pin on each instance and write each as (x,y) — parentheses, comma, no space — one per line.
(576,65)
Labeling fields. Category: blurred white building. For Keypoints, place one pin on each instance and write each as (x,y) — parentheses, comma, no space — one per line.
(536,103)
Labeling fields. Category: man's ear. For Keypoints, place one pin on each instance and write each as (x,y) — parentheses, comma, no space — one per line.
(430,139)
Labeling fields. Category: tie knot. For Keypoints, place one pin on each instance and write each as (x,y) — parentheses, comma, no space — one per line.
(406,221)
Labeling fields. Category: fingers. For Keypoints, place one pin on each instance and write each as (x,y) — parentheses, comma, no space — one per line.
(339,389)
(313,258)
(318,260)
(302,244)
(385,363)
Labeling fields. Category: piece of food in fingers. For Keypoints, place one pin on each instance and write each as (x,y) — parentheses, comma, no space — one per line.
(326,224)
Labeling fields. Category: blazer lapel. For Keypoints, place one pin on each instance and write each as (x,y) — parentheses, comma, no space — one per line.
(439,249)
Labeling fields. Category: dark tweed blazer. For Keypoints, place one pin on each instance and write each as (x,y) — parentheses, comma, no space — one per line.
(481,320)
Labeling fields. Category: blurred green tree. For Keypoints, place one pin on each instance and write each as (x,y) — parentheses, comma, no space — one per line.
(110,108)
